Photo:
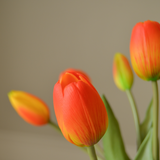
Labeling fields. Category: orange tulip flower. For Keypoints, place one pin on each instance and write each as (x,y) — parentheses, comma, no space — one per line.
(32,109)
(71,70)
(122,72)
(79,110)
(145,50)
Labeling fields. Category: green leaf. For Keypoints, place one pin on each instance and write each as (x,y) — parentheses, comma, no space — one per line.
(112,140)
(147,123)
(145,149)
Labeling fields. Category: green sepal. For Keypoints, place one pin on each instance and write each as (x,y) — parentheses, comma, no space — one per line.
(145,149)
(112,140)
(147,123)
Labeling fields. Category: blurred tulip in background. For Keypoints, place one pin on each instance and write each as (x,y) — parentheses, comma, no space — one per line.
(145,50)
(122,72)
(32,109)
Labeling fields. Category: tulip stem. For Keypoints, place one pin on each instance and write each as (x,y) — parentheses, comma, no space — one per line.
(54,125)
(135,116)
(86,150)
(155,120)
(92,153)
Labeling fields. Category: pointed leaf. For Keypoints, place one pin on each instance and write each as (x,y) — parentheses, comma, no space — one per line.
(145,149)
(112,140)
(147,123)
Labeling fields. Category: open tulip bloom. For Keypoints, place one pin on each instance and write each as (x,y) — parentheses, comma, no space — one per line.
(84,118)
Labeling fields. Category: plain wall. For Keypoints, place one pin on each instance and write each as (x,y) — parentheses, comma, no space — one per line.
(39,39)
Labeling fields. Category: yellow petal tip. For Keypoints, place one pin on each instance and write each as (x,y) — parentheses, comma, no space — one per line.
(10,93)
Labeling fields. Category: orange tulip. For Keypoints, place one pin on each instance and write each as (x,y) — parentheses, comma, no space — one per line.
(32,109)
(80,112)
(71,70)
(122,72)
(145,50)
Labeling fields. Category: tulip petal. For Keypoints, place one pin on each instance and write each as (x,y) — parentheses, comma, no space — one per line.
(76,71)
(80,112)
(29,107)
(145,50)
(30,116)
(58,108)
(122,72)
(67,78)
(83,119)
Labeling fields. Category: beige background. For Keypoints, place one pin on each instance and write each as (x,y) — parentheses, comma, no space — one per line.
(39,39)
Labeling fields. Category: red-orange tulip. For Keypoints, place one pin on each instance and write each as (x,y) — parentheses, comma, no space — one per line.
(79,110)
(145,50)
(71,70)
(32,109)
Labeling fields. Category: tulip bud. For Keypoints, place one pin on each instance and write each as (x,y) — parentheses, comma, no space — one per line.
(32,109)
(145,50)
(71,70)
(122,72)
(80,112)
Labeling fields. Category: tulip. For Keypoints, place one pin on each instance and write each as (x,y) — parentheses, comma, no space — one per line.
(122,72)
(71,70)
(145,50)
(123,77)
(32,109)
(80,112)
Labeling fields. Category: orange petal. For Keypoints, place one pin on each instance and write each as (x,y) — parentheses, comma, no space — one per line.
(66,79)
(84,114)
(75,71)
(145,50)
(29,107)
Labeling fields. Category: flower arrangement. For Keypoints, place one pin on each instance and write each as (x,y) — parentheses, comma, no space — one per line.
(84,117)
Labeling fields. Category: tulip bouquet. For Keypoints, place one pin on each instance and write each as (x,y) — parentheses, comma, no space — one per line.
(84,117)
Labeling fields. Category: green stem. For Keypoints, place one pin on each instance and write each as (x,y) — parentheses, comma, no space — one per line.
(54,125)
(155,120)
(135,116)
(92,153)
(100,157)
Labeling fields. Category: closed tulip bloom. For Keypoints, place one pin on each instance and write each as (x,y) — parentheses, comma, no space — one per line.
(71,70)
(145,50)
(122,72)
(32,109)
(80,112)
